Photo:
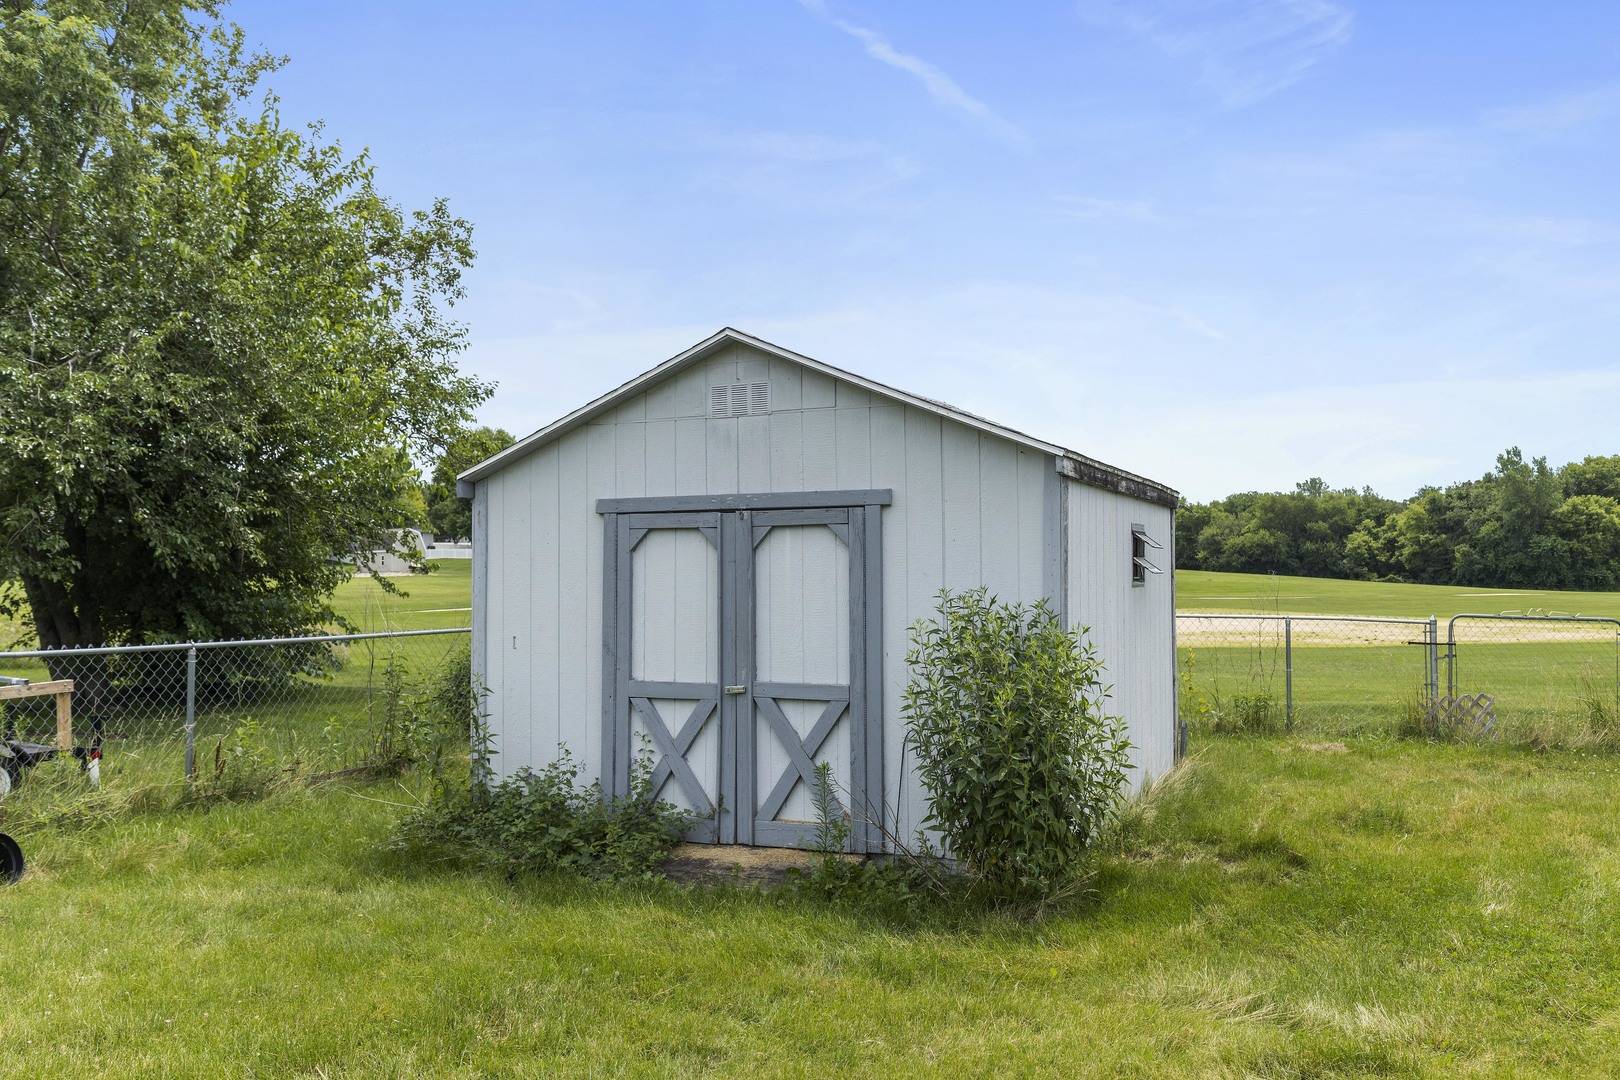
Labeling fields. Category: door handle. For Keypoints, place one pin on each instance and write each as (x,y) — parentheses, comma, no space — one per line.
(736,689)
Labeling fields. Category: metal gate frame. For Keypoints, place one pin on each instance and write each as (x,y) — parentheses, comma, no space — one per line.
(734,523)
(1451,638)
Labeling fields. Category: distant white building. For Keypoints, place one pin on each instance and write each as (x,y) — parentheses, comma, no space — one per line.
(720,560)
(439,550)
(392,561)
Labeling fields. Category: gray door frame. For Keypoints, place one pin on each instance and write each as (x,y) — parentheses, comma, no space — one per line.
(671,736)
(734,524)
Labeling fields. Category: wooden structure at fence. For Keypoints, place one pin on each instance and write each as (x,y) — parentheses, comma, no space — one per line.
(62,691)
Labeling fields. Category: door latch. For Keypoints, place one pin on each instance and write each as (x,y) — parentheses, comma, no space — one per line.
(736,689)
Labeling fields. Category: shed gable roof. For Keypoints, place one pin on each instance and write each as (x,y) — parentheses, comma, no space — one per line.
(1070,462)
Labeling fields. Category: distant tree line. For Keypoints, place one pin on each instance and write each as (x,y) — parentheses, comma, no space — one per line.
(1522,525)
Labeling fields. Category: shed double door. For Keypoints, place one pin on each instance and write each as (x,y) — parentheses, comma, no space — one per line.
(741,651)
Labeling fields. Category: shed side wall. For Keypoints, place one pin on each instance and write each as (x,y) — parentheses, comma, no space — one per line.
(1131,626)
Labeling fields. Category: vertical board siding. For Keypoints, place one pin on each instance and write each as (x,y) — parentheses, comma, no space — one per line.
(691,456)
(720,462)
(888,446)
(786,455)
(960,510)
(480,592)
(968,509)
(579,586)
(582,734)
(497,704)
(818,444)
(660,456)
(544,597)
(1130,625)
(753,452)
(1000,531)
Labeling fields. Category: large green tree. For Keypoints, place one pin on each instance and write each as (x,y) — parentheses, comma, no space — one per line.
(220,346)
(449,515)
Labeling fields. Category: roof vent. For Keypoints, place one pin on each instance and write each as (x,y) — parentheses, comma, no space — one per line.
(740,399)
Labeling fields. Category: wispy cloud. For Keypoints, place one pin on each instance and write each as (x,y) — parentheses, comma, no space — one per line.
(1561,113)
(1092,208)
(801,148)
(1245,50)
(804,170)
(939,85)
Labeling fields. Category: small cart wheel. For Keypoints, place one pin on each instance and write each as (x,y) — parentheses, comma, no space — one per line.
(11,859)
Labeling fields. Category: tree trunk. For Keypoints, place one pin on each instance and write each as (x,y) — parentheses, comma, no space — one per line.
(62,625)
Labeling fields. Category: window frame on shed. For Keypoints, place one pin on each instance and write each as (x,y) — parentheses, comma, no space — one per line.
(1141,565)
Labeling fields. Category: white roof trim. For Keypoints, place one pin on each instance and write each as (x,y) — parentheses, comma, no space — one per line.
(727,336)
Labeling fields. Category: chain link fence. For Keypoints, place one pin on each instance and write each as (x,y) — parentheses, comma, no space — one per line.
(325,704)
(160,713)
(1268,672)
(1536,679)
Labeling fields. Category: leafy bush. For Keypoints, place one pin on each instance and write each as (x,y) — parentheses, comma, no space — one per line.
(545,821)
(426,722)
(1021,763)
(245,765)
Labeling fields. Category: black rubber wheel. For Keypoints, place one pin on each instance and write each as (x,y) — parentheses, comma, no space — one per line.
(11,859)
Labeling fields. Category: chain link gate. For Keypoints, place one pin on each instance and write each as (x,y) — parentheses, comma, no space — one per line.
(1551,678)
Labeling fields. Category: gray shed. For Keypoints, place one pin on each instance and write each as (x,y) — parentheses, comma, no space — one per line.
(718,561)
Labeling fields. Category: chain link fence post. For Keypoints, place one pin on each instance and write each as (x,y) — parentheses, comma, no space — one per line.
(191,712)
(1451,657)
(1288,670)
(1433,690)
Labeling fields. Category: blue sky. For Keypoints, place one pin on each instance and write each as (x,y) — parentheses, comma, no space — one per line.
(1226,243)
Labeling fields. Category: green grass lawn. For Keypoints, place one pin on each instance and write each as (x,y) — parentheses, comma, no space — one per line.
(1397,909)
(431,601)
(1202,590)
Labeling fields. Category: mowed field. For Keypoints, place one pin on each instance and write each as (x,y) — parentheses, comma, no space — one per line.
(444,598)
(440,598)
(431,601)
(1203,590)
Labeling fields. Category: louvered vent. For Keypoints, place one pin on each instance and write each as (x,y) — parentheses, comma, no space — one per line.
(740,399)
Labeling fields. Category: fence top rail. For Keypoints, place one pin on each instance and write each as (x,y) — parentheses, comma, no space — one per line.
(183,646)
(1377,620)
(1601,620)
